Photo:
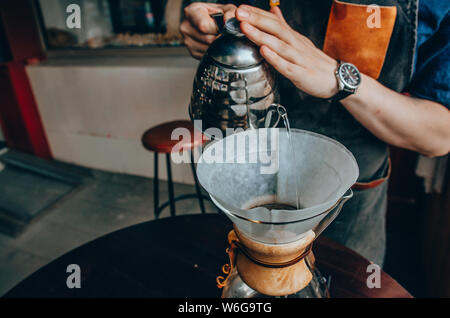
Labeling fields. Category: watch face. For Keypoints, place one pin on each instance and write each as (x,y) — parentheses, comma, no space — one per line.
(350,75)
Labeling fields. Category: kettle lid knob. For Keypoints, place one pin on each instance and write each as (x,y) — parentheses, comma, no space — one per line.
(233,49)
(233,26)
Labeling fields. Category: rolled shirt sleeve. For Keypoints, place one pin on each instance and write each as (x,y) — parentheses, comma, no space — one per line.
(431,79)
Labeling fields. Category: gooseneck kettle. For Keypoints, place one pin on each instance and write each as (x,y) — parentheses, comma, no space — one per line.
(234,86)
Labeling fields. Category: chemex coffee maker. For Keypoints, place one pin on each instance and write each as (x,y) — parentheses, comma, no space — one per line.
(271,244)
(279,203)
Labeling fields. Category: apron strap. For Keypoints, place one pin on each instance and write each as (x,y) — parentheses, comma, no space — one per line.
(374,183)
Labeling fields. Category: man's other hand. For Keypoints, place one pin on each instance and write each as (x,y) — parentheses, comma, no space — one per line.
(199,30)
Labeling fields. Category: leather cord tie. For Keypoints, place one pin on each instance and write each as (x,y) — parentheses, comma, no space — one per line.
(273,265)
(235,246)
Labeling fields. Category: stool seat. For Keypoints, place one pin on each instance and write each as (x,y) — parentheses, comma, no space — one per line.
(158,138)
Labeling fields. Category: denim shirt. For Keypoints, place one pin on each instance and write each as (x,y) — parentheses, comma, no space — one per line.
(431,79)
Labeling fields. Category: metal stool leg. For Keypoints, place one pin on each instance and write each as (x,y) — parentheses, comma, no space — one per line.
(197,186)
(156,187)
(170,186)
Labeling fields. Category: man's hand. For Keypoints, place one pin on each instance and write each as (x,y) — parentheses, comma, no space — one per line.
(199,30)
(290,53)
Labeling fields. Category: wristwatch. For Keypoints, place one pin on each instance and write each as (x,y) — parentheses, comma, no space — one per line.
(349,79)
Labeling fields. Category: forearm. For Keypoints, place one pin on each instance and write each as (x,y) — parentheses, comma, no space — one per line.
(402,121)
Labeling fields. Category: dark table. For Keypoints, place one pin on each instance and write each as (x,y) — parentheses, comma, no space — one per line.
(180,257)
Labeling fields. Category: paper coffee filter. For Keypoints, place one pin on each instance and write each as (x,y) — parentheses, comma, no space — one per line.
(325,171)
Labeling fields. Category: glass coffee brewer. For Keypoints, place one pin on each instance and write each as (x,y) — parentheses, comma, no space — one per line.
(278,202)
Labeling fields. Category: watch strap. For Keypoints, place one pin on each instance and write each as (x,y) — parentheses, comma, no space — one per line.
(340,96)
(343,92)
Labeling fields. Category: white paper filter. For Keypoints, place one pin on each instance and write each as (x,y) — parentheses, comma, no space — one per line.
(256,167)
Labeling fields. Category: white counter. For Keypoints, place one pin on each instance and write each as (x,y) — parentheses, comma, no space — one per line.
(95,110)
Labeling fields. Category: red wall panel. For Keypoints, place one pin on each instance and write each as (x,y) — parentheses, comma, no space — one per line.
(19,114)
(21,121)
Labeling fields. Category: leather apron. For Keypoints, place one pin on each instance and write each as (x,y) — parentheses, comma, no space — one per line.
(384,51)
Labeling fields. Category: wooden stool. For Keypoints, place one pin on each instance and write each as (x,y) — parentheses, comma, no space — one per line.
(158,140)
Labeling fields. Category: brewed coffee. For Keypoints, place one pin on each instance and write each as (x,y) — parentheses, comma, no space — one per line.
(277,206)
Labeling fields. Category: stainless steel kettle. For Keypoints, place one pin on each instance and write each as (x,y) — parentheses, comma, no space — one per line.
(234,86)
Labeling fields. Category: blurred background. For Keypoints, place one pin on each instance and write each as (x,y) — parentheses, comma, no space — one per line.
(74,103)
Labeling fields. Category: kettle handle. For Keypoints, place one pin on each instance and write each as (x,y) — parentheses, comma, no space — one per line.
(279,110)
(218,18)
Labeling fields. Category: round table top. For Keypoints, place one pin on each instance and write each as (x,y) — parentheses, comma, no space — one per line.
(181,257)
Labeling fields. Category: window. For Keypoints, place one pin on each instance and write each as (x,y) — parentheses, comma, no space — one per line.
(112,23)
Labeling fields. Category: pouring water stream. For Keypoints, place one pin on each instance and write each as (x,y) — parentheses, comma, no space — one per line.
(283,114)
